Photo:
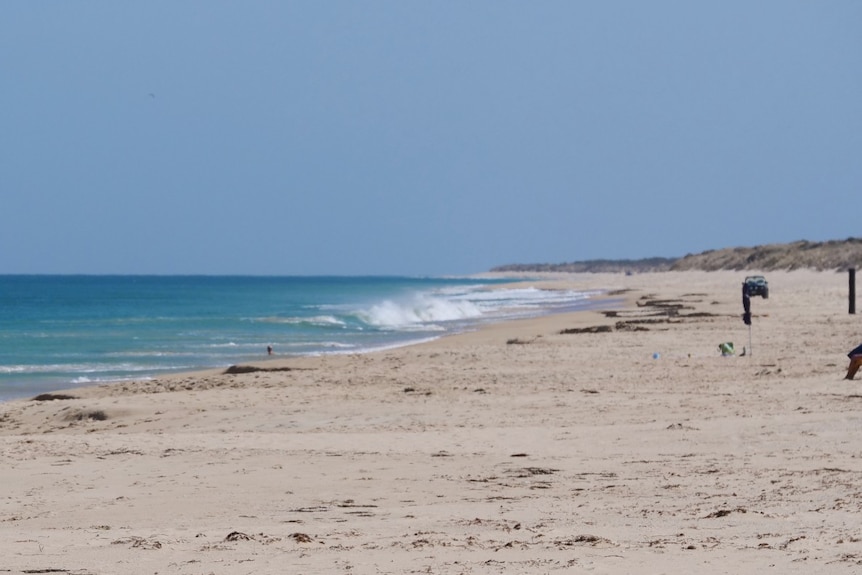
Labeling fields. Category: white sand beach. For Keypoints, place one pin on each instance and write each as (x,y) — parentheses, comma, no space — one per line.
(514,449)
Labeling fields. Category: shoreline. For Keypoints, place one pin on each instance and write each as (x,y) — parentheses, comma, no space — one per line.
(608,441)
(548,282)
(354,316)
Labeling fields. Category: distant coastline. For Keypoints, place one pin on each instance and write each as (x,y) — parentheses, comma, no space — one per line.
(837,255)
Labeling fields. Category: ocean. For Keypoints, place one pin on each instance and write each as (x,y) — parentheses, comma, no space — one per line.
(60,332)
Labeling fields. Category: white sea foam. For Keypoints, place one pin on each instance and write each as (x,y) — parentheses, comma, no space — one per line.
(335,345)
(74,368)
(420,310)
(14,368)
(47,368)
(150,354)
(465,303)
(379,347)
(321,320)
(530,296)
(83,381)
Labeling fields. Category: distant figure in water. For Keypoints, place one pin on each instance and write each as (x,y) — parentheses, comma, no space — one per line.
(269,350)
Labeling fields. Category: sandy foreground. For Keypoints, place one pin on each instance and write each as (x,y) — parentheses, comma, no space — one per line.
(515,449)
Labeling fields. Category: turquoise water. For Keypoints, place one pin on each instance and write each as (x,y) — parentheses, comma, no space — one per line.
(59,332)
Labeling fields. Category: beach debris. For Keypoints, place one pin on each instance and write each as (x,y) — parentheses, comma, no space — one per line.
(787,543)
(591,329)
(87,415)
(725,512)
(680,426)
(301,538)
(138,542)
(259,538)
(518,341)
(666,306)
(584,540)
(698,314)
(630,326)
(766,371)
(352,503)
(123,451)
(241,369)
(314,509)
(531,471)
(52,397)
(237,536)
(483,480)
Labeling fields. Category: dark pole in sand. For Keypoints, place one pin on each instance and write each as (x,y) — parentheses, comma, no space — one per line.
(750,346)
(852,273)
(746,316)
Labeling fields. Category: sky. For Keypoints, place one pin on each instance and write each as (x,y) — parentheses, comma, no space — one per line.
(420,138)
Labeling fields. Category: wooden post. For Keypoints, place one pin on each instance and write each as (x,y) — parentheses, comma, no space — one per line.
(750,345)
(852,273)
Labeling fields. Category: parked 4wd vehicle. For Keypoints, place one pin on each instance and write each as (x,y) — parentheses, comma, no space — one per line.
(757,285)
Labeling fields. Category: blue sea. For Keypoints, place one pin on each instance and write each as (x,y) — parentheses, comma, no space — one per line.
(60,332)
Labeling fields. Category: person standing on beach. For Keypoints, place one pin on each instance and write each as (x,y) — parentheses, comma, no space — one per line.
(269,350)
(855,362)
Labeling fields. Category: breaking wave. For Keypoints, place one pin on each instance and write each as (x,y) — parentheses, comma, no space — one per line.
(420,310)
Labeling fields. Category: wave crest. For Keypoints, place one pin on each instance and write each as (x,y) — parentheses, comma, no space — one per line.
(421,309)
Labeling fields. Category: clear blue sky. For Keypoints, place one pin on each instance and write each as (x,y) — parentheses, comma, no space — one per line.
(407,137)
